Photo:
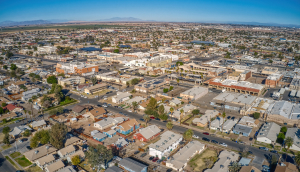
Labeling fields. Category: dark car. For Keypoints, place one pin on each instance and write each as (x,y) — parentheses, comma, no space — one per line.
(205,139)
(99,105)
(155,159)
(144,154)
(228,117)
(233,118)
(264,148)
(213,141)
(136,152)
(169,170)
(159,161)
(151,158)
(273,151)
(206,133)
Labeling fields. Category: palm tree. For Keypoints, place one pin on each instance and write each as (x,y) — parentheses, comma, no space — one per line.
(172,111)
(223,116)
(188,135)
(134,105)
(288,142)
(169,125)
(234,167)
(181,113)
(146,118)
(297,159)
(177,81)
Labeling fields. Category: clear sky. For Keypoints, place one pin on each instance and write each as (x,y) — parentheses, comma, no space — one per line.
(265,11)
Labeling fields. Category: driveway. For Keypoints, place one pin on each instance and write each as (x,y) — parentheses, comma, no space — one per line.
(17,147)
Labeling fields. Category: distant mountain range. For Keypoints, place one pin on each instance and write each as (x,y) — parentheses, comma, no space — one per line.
(32,22)
(132,19)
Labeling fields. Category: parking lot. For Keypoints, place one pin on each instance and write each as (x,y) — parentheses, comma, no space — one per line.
(159,166)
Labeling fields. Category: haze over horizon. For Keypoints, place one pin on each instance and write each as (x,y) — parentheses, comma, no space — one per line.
(266,11)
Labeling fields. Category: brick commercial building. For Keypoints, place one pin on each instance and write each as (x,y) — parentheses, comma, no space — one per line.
(76,68)
(273,80)
(235,86)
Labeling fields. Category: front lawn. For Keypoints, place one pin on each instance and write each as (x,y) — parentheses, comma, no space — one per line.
(12,163)
(34,169)
(24,162)
(15,155)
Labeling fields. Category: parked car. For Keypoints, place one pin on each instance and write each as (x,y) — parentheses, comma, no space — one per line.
(273,151)
(206,133)
(197,137)
(169,170)
(205,139)
(223,144)
(213,141)
(228,117)
(136,152)
(159,161)
(233,118)
(144,154)
(155,159)
(151,158)
(264,148)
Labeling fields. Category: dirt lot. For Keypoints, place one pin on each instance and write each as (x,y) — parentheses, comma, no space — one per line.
(176,91)
(197,162)
(257,80)
(84,125)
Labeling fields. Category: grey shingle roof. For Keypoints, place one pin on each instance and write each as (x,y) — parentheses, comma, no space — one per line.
(132,164)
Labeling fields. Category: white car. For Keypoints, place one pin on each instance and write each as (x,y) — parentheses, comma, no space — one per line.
(129,110)
(104,106)
(223,144)
(194,136)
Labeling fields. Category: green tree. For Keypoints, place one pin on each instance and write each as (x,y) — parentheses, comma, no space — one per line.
(9,54)
(288,142)
(134,105)
(172,110)
(98,156)
(161,109)
(52,80)
(5,67)
(116,50)
(6,139)
(171,88)
(181,114)
(283,129)
(6,130)
(256,115)
(188,135)
(27,133)
(280,138)
(94,80)
(297,159)
(169,125)
(146,118)
(223,116)
(165,90)
(58,134)
(235,167)
(135,81)
(76,160)
(163,117)
(13,67)
(152,104)
(195,112)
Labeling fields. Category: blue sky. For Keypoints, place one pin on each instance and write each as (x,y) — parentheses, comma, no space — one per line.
(266,11)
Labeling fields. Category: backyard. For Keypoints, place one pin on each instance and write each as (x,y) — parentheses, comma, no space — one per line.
(200,161)
(34,169)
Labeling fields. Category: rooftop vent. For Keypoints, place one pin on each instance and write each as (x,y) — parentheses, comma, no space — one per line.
(36,151)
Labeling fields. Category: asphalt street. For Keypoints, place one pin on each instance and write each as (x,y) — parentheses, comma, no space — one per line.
(5,166)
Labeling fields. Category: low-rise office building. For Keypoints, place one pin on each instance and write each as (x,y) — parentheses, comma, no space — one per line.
(96,88)
(194,93)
